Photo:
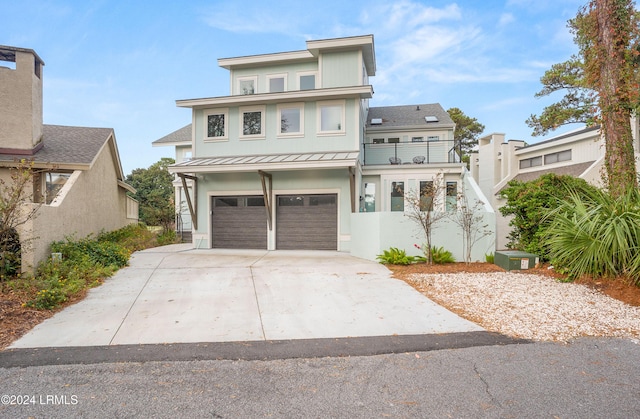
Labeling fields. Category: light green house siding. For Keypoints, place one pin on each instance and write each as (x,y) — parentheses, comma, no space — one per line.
(340,69)
(312,141)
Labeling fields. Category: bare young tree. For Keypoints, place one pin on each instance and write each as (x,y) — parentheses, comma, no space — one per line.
(468,216)
(15,191)
(424,208)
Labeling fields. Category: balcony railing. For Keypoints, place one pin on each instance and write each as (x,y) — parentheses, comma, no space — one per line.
(427,152)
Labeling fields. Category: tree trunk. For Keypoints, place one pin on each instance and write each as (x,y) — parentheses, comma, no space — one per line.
(612,41)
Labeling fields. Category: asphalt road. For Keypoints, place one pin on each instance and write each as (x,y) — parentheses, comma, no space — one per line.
(588,378)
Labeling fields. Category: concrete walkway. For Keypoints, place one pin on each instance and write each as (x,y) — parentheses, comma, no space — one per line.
(175,294)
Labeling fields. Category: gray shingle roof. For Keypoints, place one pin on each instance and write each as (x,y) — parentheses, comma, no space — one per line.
(574,170)
(180,136)
(408,116)
(68,145)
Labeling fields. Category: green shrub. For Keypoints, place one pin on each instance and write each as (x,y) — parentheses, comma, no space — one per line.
(440,255)
(489,258)
(528,202)
(105,253)
(10,254)
(395,256)
(167,237)
(597,234)
(133,237)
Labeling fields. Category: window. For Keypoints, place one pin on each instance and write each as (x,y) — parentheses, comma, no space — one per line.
(433,138)
(377,141)
(291,201)
(557,157)
(291,119)
(532,162)
(277,83)
(397,196)
(426,195)
(252,122)
(53,184)
(331,117)
(321,200)
(369,197)
(452,196)
(247,85)
(217,125)
(417,139)
(393,140)
(307,81)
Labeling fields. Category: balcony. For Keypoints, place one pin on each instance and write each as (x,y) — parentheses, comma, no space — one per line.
(427,152)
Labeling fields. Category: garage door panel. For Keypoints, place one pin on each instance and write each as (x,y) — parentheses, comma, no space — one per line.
(239,223)
(307,222)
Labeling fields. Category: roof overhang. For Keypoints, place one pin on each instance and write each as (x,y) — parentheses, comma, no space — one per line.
(360,92)
(252,60)
(268,162)
(364,42)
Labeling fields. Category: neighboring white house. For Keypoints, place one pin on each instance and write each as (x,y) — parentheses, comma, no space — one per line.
(78,184)
(579,153)
(294,158)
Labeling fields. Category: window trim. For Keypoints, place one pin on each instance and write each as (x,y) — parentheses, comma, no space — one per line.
(221,111)
(277,76)
(280,107)
(320,105)
(307,73)
(246,109)
(557,155)
(239,81)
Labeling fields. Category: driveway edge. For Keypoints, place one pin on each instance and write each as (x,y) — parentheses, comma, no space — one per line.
(252,350)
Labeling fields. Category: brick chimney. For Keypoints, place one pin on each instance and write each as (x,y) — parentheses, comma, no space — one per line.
(20,101)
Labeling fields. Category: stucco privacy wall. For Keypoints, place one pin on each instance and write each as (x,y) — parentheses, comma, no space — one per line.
(374,232)
(75,214)
(284,183)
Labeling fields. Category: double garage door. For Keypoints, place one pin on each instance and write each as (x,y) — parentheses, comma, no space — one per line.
(303,222)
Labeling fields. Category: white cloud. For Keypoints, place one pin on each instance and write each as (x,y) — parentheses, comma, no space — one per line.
(506,19)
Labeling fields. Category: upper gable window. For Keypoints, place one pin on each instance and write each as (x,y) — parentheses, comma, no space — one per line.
(247,85)
(307,81)
(252,122)
(217,124)
(557,157)
(277,83)
(331,117)
(291,117)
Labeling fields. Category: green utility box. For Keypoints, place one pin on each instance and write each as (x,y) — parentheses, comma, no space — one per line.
(512,260)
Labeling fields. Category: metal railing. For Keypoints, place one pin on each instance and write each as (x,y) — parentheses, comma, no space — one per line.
(426,152)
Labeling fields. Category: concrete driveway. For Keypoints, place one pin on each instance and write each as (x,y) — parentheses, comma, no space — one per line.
(175,294)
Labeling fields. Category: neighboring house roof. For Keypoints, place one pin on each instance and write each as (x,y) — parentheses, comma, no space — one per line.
(72,148)
(178,137)
(251,163)
(575,170)
(408,116)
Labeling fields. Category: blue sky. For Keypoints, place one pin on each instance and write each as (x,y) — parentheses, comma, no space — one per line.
(123,64)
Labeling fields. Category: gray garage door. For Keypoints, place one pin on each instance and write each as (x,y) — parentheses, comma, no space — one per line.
(239,222)
(307,222)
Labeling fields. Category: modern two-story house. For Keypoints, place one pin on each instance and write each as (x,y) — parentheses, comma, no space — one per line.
(295,158)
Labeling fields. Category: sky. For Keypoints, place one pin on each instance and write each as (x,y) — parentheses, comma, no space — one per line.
(123,64)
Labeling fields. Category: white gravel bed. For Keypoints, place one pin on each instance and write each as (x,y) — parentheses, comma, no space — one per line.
(531,306)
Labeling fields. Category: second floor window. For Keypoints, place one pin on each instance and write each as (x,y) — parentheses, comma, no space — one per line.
(291,119)
(331,117)
(216,128)
(252,122)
